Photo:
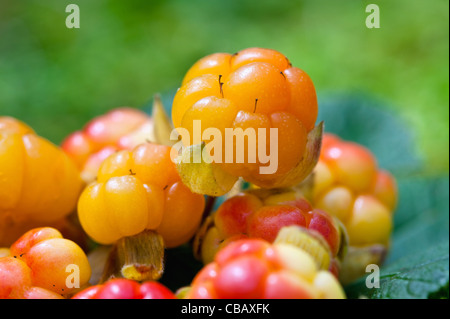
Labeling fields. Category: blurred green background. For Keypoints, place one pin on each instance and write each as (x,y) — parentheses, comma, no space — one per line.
(56,79)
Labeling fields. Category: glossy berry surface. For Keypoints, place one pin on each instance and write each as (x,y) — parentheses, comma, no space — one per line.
(126,289)
(137,190)
(255,269)
(349,185)
(252,215)
(120,128)
(37,266)
(255,88)
(39,183)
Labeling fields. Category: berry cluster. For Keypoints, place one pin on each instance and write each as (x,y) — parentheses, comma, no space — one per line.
(288,236)
(137,190)
(347,184)
(257,89)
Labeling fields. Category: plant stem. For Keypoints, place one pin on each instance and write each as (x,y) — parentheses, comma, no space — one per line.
(139,257)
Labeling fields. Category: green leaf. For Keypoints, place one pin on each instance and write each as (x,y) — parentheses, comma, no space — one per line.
(422,217)
(421,275)
(418,262)
(361,119)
